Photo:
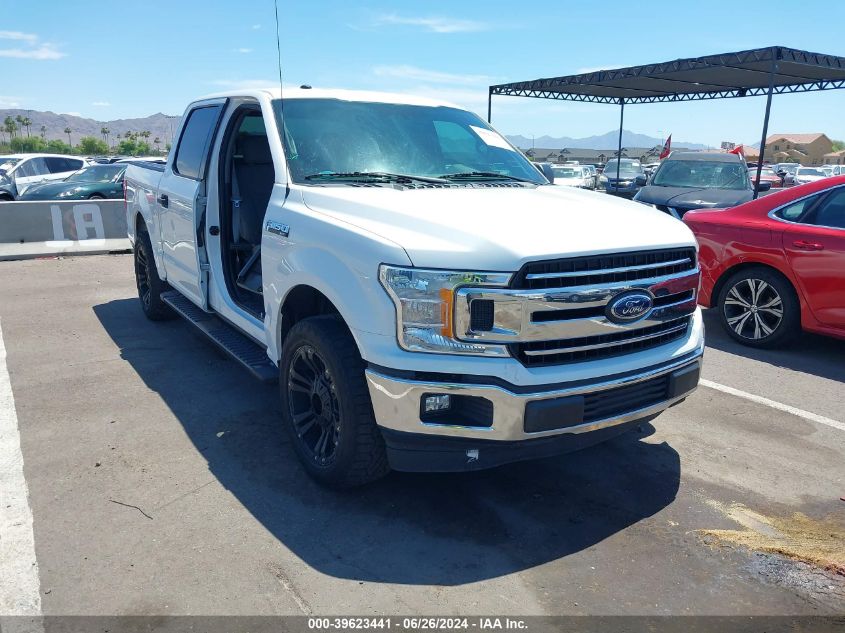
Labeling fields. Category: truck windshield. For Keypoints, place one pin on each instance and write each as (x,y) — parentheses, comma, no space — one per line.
(703,174)
(329,136)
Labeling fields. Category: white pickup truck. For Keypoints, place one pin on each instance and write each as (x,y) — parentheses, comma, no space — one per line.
(425,300)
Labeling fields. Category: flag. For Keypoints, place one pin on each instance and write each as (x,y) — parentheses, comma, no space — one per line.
(667,147)
(737,150)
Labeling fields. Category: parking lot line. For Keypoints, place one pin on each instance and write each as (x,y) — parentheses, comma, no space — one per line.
(19,589)
(807,415)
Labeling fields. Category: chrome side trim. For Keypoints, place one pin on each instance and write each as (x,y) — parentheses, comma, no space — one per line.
(585,348)
(607,271)
(396,403)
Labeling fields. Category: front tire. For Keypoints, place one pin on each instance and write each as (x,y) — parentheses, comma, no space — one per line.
(759,308)
(326,405)
(150,285)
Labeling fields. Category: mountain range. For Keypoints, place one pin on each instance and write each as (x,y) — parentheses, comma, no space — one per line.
(609,140)
(158,125)
(163,126)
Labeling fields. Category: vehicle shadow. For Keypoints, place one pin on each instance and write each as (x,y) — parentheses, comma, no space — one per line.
(444,529)
(811,353)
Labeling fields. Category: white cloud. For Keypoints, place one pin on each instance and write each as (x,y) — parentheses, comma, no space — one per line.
(434,24)
(242,50)
(101,104)
(17,35)
(9,102)
(595,69)
(31,47)
(243,84)
(415,73)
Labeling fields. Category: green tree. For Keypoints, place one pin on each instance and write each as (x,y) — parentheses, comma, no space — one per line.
(19,121)
(91,145)
(68,132)
(28,144)
(10,126)
(58,146)
(838,145)
(27,123)
(43,131)
(127,147)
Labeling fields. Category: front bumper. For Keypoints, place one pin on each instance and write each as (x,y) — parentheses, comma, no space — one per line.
(570,416)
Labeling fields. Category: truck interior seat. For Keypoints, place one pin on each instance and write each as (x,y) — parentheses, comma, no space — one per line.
(254,177)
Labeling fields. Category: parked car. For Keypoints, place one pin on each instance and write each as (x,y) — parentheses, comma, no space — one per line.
(805,175)
(767,174)
(20,171)
(94,182)
(349,258)
(594,176)
(573,176)
(776,265)
(698,180)
(627,181)
(827,169)
(837,170)
(787,172)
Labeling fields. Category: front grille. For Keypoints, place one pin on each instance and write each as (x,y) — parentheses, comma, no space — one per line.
(541,353)
(600,405)
(481,315)
(602,269)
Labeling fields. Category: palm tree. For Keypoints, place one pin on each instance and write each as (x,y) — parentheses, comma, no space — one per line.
(145,135)
(19,120)
(157,142)
(43,131)
(27,123)
(69,141)
(10,127)
(104,131)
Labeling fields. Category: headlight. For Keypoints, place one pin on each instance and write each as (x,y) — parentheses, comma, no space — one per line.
(425,308)
(69,192)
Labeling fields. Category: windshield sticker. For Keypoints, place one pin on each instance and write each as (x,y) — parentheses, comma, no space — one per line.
(490,137)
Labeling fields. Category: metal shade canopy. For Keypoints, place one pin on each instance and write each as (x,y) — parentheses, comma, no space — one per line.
(762,71)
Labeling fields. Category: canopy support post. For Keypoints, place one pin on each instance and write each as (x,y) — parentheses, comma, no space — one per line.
(772,70)
(619,149)
(489,104)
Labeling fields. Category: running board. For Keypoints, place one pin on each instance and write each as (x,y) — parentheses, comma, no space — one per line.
(239,346)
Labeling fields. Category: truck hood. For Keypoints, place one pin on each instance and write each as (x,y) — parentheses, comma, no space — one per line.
(498,229)
(693,198)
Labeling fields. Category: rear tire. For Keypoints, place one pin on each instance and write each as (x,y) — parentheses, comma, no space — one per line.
(759,308)
(326,405)
(96,196)
(150,285)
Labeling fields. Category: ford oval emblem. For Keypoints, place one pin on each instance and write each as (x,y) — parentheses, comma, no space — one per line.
(629,306)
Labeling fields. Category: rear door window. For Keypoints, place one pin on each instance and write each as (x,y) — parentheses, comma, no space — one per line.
(195,140)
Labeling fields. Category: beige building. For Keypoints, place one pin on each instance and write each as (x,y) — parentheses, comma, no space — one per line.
(807,149)
(835,158)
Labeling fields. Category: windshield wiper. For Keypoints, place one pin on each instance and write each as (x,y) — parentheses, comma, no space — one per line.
(383,176)
(489,175)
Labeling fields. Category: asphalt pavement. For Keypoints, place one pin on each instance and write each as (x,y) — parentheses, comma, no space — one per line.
(160,482)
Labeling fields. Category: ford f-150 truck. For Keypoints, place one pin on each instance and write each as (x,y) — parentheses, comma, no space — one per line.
(424,298)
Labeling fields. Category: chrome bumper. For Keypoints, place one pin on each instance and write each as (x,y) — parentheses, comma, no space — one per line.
(396,403)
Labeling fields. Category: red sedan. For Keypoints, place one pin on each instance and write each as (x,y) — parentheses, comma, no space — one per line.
(767,174)
(777,264)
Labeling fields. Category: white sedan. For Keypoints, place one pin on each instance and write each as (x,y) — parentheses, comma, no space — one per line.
(808,174)
(573,176)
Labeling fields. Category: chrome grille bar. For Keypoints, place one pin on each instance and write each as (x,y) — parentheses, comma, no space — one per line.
(608,271)
(625,341)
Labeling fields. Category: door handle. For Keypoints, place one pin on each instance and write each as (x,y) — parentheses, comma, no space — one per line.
(163,200)
(806,245)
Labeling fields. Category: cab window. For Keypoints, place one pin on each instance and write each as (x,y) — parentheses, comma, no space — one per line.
(196,138)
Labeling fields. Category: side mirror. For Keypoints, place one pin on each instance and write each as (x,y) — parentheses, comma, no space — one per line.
(764,186)
(548,172)
(641,181)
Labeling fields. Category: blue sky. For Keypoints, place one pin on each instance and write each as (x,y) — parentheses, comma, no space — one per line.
(130,58)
